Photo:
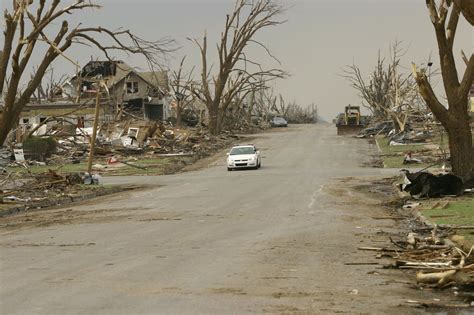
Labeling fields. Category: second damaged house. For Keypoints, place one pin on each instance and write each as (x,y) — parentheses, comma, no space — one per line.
(142,95)
(68,108)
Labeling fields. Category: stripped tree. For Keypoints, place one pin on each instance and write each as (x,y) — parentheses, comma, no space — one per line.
(265,102)
(29,24)
(445,15)
(388,93)
(236,74)
(182,85)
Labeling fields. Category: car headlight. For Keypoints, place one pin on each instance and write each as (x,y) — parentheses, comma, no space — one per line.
(252,158)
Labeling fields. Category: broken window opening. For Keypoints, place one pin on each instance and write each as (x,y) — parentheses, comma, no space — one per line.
(132,133)
(132,87)
(80,122)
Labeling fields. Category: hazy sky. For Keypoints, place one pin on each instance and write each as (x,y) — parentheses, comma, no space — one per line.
(319,39)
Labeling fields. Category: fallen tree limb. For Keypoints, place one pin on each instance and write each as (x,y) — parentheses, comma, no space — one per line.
(388,218)
(401,263)
(132,165)
(437,305)
(380,249)
(440,278)
(360,263)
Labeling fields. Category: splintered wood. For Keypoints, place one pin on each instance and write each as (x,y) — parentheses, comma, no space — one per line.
(440,263)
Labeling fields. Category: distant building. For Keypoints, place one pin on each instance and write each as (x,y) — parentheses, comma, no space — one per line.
(142,94)
(131,93)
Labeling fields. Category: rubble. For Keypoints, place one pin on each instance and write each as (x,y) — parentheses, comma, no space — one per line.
(376,128)
(420,140)
(123,140)
(440,263)
(431,254)
(145,141)
(408,159)
(409,137)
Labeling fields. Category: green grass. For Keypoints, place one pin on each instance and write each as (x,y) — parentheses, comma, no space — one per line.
(392,156)
(387,149)
(397,162)
(36,169)
(459,212)
(154,166)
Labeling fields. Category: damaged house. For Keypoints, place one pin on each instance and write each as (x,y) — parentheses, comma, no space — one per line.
(142,95)
(131,94)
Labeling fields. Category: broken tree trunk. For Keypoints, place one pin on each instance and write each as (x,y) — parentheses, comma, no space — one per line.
(440,278)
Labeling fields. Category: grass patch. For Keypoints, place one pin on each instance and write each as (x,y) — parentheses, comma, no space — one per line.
(459,212)
(397,162)
(392,156)
(386,148)
(154,166)
(62,169)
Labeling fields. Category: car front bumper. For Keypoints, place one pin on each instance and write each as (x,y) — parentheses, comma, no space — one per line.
(242,164)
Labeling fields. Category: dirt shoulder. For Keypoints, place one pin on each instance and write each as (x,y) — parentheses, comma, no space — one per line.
(415,246)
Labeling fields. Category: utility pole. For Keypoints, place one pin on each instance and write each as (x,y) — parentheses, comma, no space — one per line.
(94,129)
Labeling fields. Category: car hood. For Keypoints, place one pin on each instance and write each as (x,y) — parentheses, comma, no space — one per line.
(242,157)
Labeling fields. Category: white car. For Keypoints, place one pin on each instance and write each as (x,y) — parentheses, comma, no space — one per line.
(244,156)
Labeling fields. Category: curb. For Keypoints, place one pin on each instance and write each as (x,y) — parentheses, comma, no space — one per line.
(459,240)
(58,201)
(380,152)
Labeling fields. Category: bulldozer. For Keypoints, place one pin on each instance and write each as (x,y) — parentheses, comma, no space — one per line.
(349,122)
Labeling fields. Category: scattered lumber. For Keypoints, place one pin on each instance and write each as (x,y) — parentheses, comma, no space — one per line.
(380,249)
(388,218)
(438,304)
(360,263)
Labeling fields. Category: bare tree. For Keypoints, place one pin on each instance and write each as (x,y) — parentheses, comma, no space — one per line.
(234,74)
(28,24)
(182,85)
(265,102)
(295,113)
(47,91)
(282,107)
(389,94)
(455,119)
(253,106)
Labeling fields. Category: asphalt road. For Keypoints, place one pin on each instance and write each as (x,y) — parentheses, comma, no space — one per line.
(274,240)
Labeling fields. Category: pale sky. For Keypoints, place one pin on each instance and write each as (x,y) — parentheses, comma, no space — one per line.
(319,39)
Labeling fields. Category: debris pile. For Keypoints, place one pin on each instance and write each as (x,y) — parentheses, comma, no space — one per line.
(435,260)
(376,128)
(158,138)
(119,143)
(421,140)
(439,262)
(18,189)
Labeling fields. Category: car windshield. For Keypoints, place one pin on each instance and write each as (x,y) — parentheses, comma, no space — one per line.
(279,119)
(242,150)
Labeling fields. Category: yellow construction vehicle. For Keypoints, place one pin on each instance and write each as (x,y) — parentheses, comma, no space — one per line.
(349,122)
